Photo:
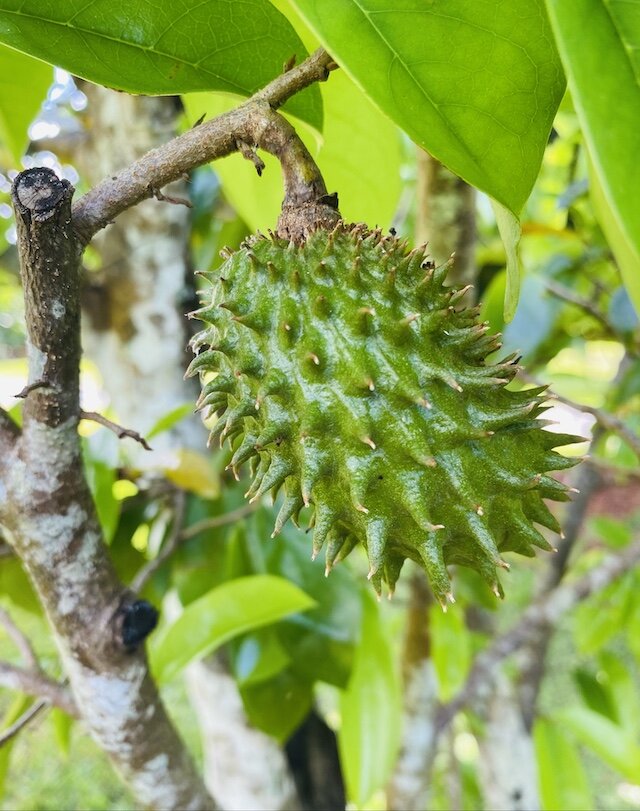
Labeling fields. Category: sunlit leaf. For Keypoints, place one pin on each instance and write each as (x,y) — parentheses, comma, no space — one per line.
(161,48)
(476,83)
(600,57)
(225,612)
(562,779)
(371,711)
(615,745)
(24,82)
(451,650)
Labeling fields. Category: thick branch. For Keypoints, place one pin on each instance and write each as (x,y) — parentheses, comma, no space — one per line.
(35,683)
(49,269)
(53,527)
(544,612)
(254,124)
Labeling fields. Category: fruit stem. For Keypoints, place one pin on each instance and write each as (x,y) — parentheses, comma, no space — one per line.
(306,205)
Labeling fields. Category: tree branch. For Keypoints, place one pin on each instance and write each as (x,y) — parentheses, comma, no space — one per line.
(35,683)
(255,123)
(179,535)
(543,613)
(118,430)
(19,640)
(54,528)
(26,718)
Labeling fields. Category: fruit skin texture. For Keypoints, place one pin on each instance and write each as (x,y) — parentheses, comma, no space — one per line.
(347,377)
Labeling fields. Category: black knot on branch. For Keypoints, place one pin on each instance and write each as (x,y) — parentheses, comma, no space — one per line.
(38,192)
(136,621)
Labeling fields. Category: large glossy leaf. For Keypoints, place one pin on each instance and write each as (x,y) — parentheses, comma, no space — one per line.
(161,48)
(562,778)
(360,158)
(601,59)
(614,744)
(475,82)
(23,86)
(225,612)
(371,711)
(278,706)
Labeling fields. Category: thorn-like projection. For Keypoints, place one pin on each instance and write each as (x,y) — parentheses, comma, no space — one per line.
(409,319)
(368,441)
(313,358)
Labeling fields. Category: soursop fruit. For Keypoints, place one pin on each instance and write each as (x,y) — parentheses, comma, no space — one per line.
(346,373)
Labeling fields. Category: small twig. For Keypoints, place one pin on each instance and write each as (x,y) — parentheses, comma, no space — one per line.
(176,201)
(36,683)
(608,421)
(178,536)
(37,384)
(20,641)
(118,430)
(250,154)
(10,732)
(217,521)
(588,306)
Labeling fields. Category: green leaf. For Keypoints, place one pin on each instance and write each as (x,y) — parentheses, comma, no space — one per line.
(279,705)
(19,705)
(613,532)
(510,233)
(613,744)
(624,249)
(623,691)
(62,726)
(23,86)
(168,49)
(600,618)
(258,656)
(451,650)
(475,83)
(100,478)
(167,421)
(226,611)
(371,711)
(601,60)
(360,158)
(562,778)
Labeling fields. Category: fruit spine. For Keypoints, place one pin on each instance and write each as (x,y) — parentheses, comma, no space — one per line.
(346,375)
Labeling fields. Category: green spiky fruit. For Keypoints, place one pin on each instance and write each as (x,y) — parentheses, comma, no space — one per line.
(346,375)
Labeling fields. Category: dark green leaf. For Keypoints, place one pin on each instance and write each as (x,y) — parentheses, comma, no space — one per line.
(225,612)
(279,705)
(594,695)
(600,57)
(168,49)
